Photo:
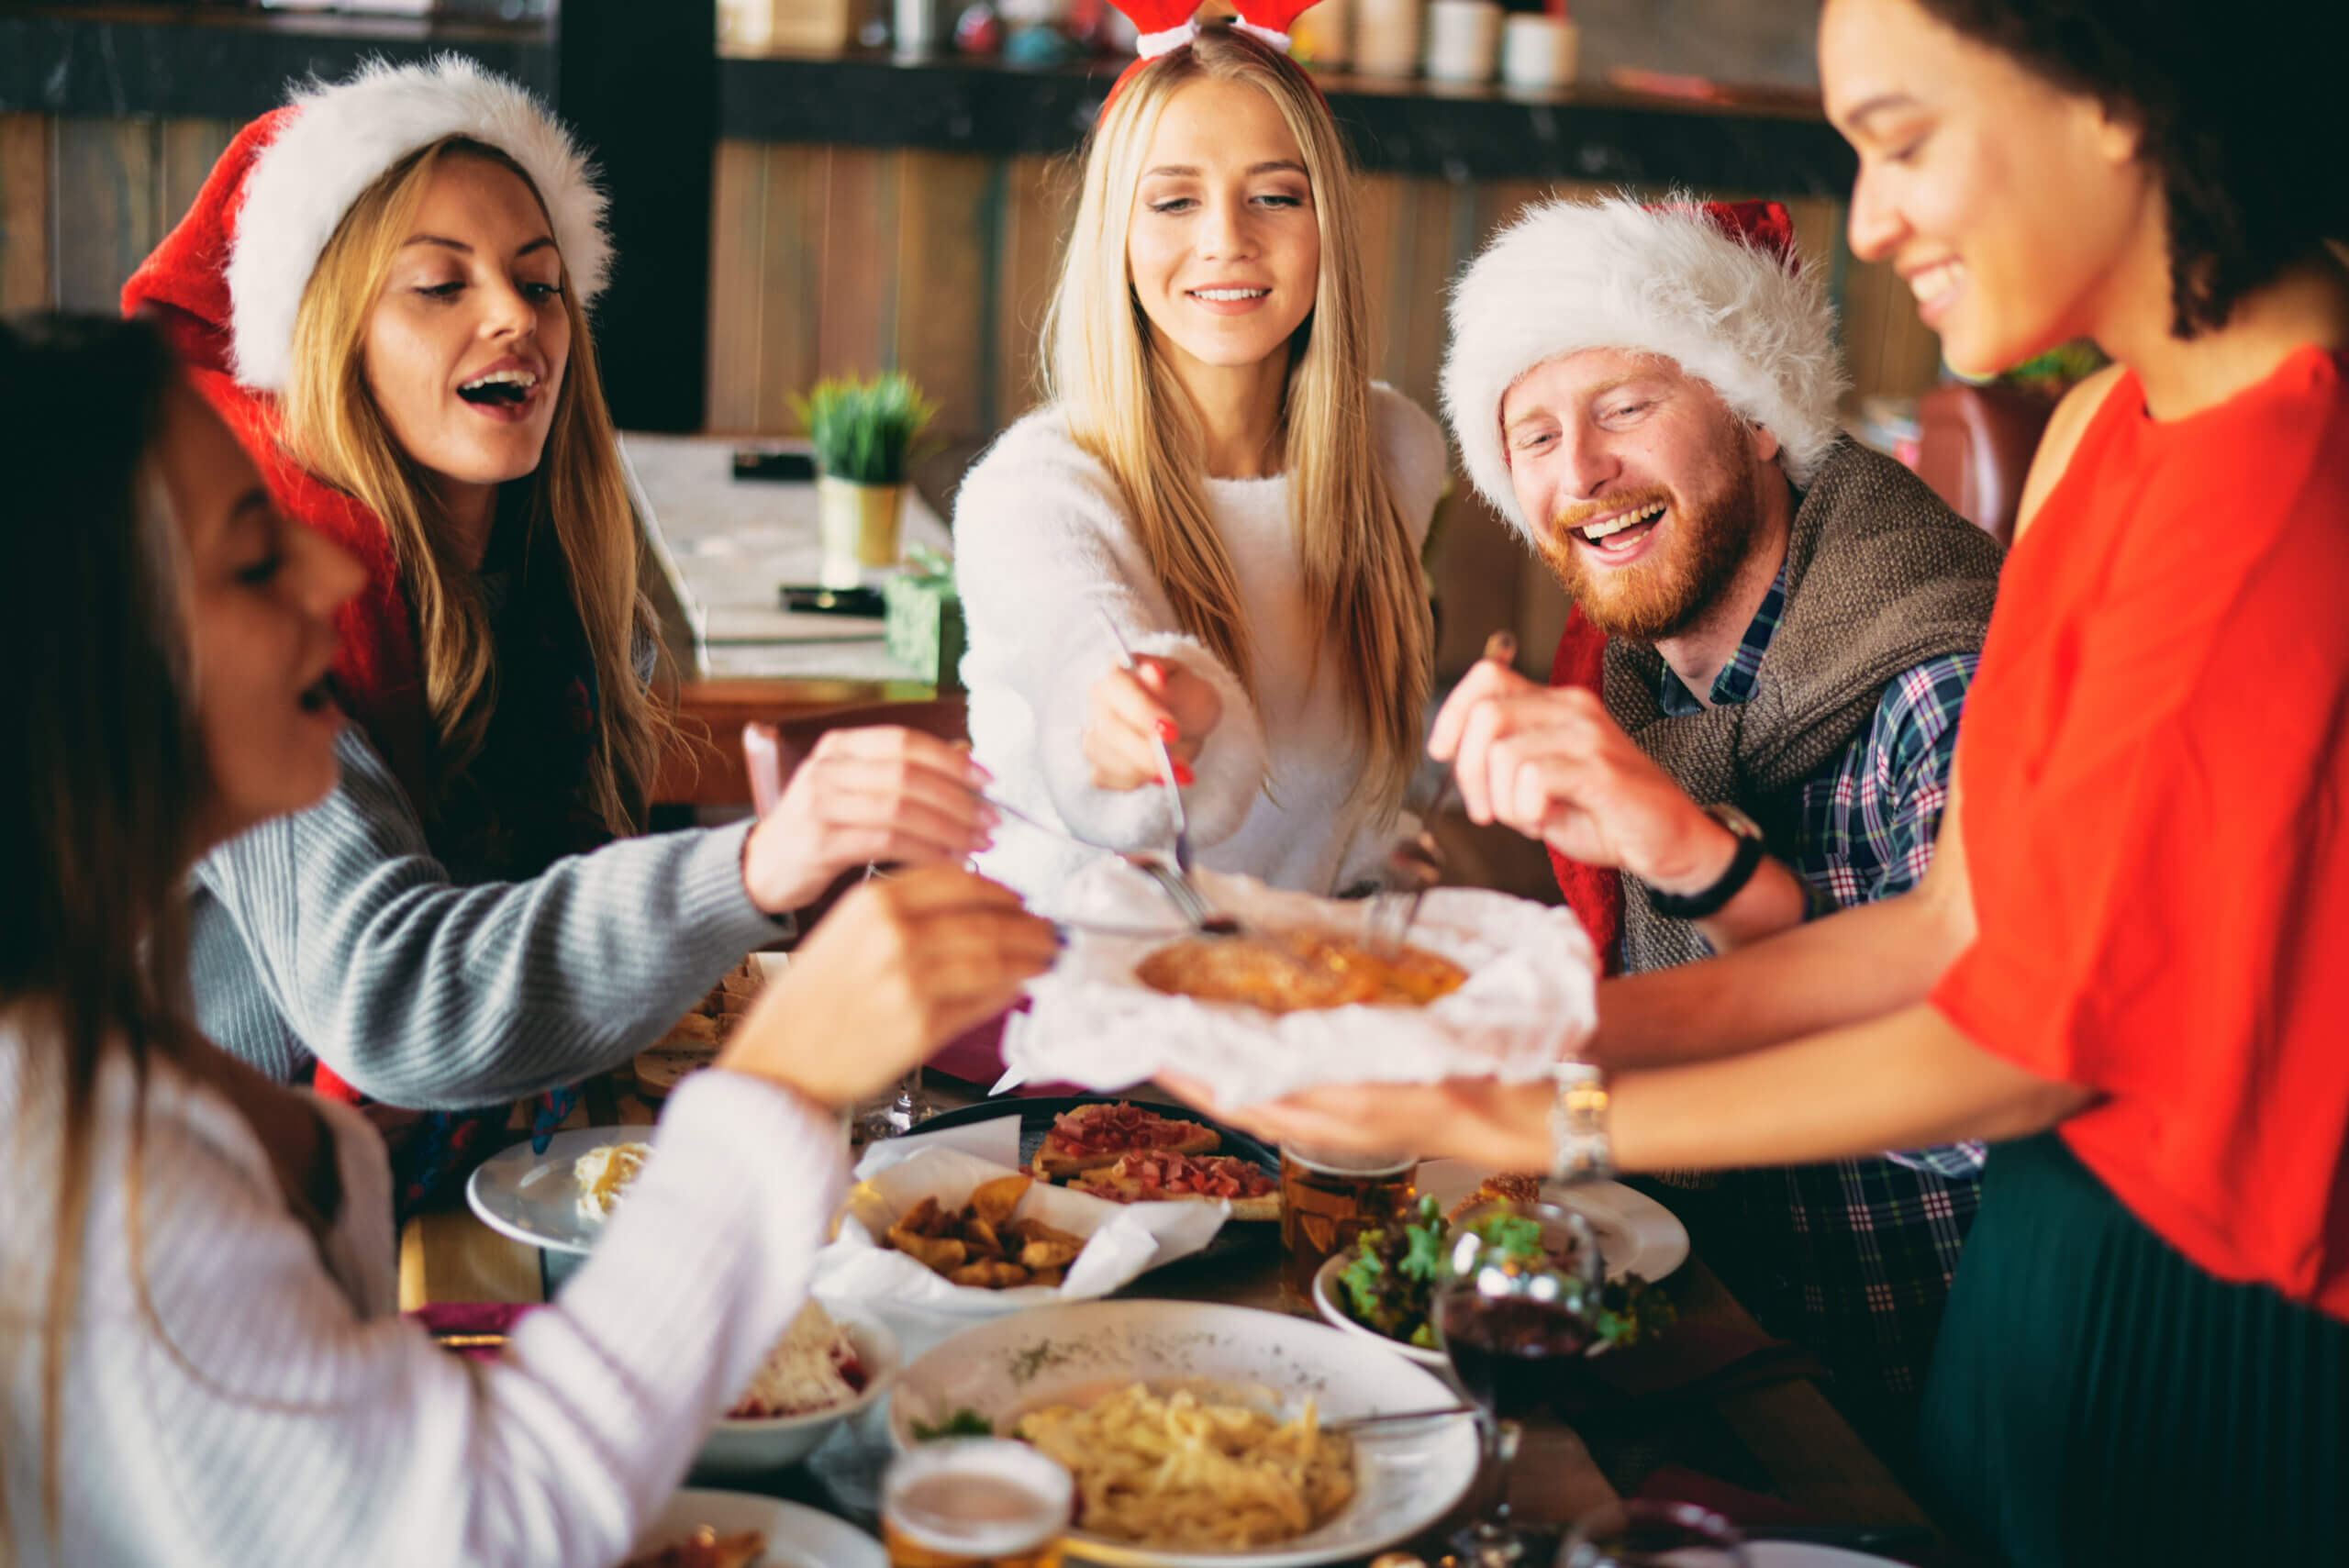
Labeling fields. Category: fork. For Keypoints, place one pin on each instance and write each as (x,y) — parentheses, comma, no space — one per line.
(1165,759)
(1181,892)
(1416,863)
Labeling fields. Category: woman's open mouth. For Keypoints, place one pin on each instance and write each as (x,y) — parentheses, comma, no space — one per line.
(506,394)
(1233,301)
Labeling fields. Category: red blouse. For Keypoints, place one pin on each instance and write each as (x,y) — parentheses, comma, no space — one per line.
(2155,765)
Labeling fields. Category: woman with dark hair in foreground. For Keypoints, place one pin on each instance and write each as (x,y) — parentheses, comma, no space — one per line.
(195,1281)
(2127,957)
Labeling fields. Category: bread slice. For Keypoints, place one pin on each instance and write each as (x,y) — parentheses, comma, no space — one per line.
(1092,1137)
(1146,1178)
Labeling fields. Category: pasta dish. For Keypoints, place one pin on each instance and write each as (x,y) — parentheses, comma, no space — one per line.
(1179,1472)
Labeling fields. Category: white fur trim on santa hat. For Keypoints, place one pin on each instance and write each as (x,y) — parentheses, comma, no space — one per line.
(1613,275)
(341,138)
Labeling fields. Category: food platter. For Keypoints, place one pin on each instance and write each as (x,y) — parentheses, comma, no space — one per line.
(1036,1116)
(1408,1476)
(1637,1235)
(532,1197)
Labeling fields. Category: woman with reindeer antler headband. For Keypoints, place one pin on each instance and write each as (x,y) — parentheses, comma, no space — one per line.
(1216,472)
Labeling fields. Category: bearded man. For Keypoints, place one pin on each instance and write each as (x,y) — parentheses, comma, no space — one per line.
(1789,621)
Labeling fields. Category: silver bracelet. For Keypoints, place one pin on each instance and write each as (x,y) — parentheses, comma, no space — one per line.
(1580,1149)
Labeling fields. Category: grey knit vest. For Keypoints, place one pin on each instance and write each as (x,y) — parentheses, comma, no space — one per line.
(1881,577)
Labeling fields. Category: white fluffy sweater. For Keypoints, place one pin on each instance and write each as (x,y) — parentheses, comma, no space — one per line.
(1042,537)
(276,1410)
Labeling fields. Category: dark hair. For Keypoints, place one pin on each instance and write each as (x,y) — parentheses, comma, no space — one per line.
(99,799)
(2239,122)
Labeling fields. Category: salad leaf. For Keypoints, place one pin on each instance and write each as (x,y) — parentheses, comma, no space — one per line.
(963,1423)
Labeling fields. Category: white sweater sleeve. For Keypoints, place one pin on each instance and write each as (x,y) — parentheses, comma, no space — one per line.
(263,1415)
(1044,546)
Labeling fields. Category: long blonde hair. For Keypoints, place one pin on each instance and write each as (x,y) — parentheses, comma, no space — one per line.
(336,431)
(1126,408)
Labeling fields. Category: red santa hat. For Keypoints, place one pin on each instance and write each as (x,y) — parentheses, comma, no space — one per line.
(1166,26)
(297,171)
(1716,287)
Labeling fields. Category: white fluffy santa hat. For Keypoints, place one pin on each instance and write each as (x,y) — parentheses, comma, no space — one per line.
(334,140)
(1716,287)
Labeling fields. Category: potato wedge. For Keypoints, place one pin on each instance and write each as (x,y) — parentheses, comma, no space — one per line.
(1047,1254)
(990,1276)
(918,1219)
(994,1201)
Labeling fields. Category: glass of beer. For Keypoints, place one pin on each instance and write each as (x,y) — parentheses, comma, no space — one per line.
(974,1503)
(1328,1199)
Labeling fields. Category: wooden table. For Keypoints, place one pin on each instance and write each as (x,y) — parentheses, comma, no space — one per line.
(1785,1438)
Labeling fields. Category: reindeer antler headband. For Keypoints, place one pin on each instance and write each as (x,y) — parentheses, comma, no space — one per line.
(1168,24)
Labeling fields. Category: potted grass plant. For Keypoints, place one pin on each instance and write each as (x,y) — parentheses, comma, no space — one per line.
(864,434)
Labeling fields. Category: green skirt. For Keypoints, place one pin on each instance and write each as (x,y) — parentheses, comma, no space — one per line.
(2096,1399)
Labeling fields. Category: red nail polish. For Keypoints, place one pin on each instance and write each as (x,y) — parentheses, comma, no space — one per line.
(1183,775)
(1167,730)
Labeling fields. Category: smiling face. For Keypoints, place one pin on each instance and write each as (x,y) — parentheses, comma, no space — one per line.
(1224,249)
(259,595)
(467,344)
(2006,204)
(1642,487)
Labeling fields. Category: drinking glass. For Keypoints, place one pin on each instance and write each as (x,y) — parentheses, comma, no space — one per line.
(899,1110)
(1646,1532)
(1329,1198)
(974,1503)
(1516,1304)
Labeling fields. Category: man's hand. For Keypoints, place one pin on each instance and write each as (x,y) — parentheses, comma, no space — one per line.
(865,796)
(896,971)
(1550,764)
(1128,710)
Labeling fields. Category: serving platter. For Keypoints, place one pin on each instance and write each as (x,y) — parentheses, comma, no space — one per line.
(1409,1476)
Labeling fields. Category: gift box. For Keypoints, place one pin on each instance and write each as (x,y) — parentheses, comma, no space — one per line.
(923,619)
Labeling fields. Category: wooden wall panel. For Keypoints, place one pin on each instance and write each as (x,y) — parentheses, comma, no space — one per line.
(25,166)
(1039,203)
(108,208)
(737,291)
(187,151)
(791,281)
(948,223)
(859,285)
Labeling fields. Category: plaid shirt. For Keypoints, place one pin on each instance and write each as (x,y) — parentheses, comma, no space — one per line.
(1874,1241)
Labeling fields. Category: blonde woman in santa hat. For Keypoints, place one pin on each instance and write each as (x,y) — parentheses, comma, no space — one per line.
(383,287)
(1216,474)
(205,1364)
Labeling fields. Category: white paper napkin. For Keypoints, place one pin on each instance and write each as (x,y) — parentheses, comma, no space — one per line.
(1122,1240)
(1530,1000)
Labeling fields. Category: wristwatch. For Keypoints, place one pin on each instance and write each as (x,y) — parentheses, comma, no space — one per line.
(1580,1148)
(1750,849)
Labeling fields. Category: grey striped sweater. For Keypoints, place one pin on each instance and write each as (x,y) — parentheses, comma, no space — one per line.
(333,935)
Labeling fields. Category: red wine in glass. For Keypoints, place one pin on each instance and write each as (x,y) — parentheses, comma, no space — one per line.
(1515,1355)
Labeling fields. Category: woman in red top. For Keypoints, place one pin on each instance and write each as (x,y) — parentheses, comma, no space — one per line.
(2133,931)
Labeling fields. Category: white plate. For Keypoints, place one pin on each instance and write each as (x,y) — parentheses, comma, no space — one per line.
(1801,1554)
(1637,1235)
(1407,1478)
(533,1197)
(797,1537)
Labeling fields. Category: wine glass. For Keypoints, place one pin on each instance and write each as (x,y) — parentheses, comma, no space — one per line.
(1516,1304)
(1647,1533)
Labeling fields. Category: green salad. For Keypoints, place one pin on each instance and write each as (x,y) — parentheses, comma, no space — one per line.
(1389,1286)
